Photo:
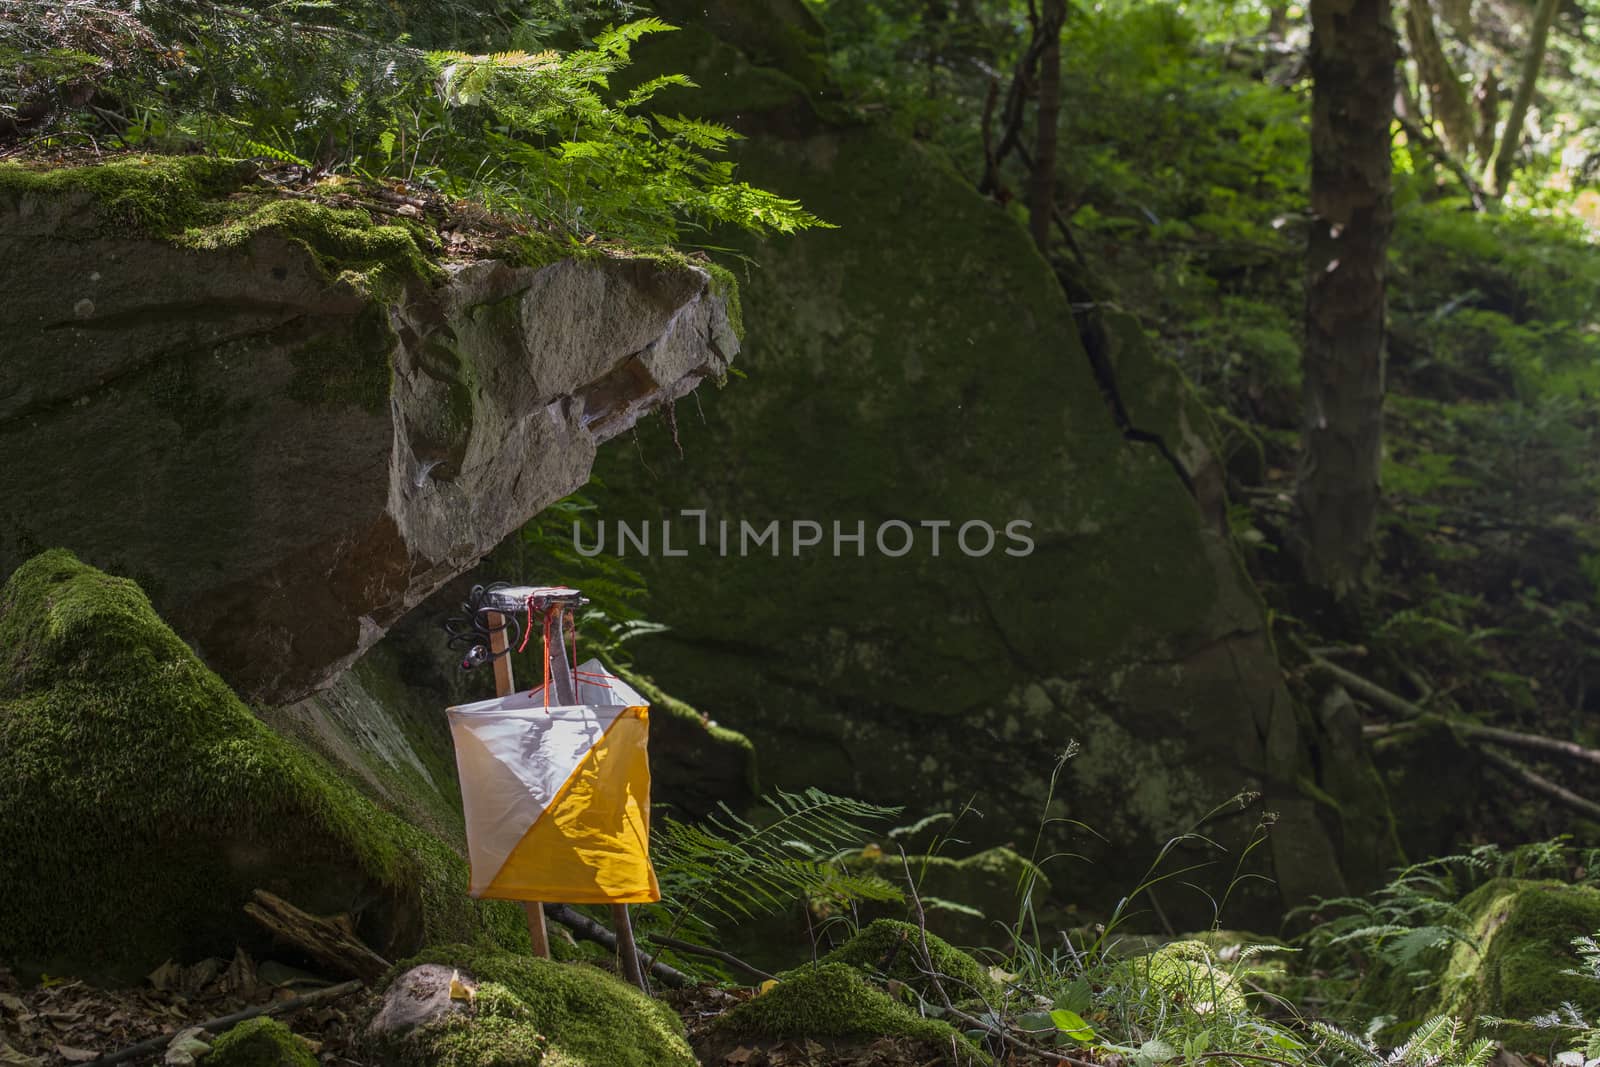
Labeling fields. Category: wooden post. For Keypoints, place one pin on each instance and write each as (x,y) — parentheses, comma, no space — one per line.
(627,949)
(504,685)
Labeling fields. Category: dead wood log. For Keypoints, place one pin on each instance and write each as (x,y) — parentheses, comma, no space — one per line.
(328,941)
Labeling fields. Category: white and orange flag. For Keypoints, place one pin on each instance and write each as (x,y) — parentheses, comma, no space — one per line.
(557,796)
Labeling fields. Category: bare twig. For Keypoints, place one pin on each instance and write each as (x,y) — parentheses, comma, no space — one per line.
(1549,746)
(1541,785)
(224,1022)
(1442,156)
(711,953)
(586,928)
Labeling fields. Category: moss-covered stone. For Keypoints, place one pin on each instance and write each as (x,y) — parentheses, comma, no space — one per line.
(830,1000)
(534,1012)
(260,1042)
(150,194)
(204,203)
(1189,971)
(894,950)
(141,802)
(1523,963)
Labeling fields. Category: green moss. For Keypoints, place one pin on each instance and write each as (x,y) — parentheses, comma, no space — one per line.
(201,202)
(157,195)
(830,999)
(1188,970)
(141,802)
(726,286)
(482,1040)
(344,242)
(893,949)
(260,1042)
(1524,931)
(583,1017)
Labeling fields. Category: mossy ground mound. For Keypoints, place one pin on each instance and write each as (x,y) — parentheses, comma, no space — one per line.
(537,1013)
(835,1001)
(1189,971)
(894,950)
(260,1042)
(1524,963)
(141,802)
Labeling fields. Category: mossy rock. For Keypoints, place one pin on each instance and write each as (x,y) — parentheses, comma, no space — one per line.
(928,341)
(141,802)
(894,950)
(539,1013)
(260,1042)
(1189,972)
(833,1002)
(1525,958)
(205,203)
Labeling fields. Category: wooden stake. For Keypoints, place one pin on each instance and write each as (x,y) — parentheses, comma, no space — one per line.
(504,685)
(627,950)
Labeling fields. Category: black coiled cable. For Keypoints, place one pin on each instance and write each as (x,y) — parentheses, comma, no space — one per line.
(473,632)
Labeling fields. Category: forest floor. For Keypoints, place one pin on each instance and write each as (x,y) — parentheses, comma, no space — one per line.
(73,1022)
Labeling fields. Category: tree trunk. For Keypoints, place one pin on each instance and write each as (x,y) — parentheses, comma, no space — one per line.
(1497,172)
(1042,182)
(1446,97)
(1486,99)
(1353,57)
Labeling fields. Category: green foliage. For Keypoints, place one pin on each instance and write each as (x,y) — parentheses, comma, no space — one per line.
(530,131)
(730,868)
(1439,1042)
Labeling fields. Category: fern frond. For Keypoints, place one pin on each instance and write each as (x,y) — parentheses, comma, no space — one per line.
(730,868)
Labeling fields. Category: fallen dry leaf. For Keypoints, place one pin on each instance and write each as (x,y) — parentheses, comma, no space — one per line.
(76,1055)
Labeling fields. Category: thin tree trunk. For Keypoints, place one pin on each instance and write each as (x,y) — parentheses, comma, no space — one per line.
(1353,58)
(1446,97)
(1486,101)
(1497,172)
(1042,181)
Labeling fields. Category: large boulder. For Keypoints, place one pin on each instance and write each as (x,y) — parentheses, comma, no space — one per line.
(1520,962)
(290,423)
(141,802)
(922,364)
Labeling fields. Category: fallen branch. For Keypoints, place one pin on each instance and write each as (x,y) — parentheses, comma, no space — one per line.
(1532,742)
(225,1022)
(1442,156)
(583,926)
(1540,784)
(1549,746)
(1371,690)
(711,953)
(330,942)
